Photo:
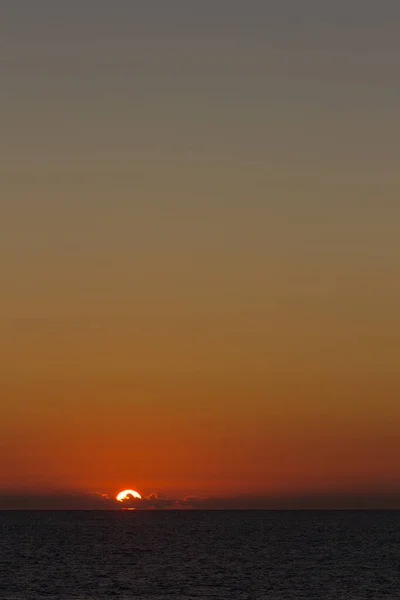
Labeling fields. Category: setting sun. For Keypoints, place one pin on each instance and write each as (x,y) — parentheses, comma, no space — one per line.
(126,494)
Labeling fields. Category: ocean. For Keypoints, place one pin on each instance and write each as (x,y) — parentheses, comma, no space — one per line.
(226,555)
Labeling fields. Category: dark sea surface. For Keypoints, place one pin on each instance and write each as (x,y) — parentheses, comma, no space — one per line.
(233,555)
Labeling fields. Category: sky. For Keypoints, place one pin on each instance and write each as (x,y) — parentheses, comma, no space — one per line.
(199,249)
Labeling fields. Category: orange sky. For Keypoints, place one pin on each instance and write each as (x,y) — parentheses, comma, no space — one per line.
(181,435)
(199,251)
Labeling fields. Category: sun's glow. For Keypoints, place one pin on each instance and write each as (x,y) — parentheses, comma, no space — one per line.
(126,494)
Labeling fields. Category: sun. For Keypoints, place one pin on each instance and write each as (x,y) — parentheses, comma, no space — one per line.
(126,494)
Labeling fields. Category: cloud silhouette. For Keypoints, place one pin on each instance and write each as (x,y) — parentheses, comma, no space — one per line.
(153,501)
(54,501)
(80,501)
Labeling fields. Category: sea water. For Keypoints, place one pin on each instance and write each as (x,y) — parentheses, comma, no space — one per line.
(235,555)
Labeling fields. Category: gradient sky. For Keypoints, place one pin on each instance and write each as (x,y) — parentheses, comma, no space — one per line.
(199,246)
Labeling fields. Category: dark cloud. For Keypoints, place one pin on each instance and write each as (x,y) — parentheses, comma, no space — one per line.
(153,501)
(79,501)
(307,502)
(49,501)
